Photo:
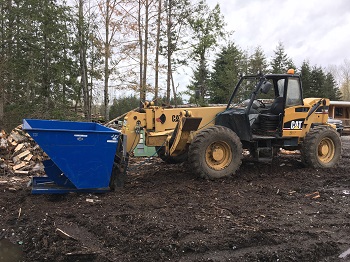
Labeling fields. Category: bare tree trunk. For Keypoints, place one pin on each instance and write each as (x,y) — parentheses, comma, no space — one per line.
(107,54)
(156,88)
(169,52)
(141,52)
(92,69)
(174,90)
(7,74)
(45,80)
(83,65)
(2,93)
(2,69)
(64,86)
(145,48)
(92,64)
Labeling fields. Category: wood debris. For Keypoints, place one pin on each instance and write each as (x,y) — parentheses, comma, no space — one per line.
(313,195)
(19,154)
(63,234)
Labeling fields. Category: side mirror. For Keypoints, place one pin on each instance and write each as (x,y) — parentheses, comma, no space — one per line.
(265,87)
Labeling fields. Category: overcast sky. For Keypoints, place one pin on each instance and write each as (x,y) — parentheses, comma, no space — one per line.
(317,30)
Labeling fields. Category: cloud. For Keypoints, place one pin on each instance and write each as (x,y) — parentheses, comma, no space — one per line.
(312,30)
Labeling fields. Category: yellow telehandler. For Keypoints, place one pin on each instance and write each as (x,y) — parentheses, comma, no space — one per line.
(264,114)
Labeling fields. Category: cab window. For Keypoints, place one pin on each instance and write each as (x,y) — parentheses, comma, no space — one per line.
(293,93)
(280,85)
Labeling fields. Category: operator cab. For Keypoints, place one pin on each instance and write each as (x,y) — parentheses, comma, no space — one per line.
(257,105)
(287,92)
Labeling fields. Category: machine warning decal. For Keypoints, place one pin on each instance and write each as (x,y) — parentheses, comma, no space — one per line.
(294,124)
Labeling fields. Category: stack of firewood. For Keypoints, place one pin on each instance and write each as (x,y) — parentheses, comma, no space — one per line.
(19,153)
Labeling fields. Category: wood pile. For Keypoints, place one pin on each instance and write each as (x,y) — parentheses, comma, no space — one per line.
(20,154)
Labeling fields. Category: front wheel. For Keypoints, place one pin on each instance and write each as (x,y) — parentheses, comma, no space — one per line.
(215,152)
(321,147)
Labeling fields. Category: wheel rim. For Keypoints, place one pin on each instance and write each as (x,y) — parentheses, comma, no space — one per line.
(218,155)
(326,150)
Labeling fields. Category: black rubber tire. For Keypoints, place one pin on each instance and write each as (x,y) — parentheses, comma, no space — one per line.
(170,159)
(317,136)
(119,170)
(199,152)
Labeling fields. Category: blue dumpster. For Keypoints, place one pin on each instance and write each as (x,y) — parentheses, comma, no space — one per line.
(81,155)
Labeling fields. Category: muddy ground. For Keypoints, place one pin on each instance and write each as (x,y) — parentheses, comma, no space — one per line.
(274,211)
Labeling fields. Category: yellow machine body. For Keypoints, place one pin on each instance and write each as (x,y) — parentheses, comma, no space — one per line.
(159,123)
(213,138)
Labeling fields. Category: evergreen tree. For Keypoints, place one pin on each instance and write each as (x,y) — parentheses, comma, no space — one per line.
(227,68)
(280,61)
(331,90)
(306,80)
(163,101)
(37,46)
(123,105)
(208,27)
(317,82)
(258,62)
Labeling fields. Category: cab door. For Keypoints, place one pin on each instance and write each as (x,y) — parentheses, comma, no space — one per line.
(295,112)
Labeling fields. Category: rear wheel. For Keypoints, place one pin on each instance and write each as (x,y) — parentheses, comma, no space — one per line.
(215,152)
(321,147)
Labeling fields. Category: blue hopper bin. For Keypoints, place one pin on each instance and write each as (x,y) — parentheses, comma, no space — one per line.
(81,155)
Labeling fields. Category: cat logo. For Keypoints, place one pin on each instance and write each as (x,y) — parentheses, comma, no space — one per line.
(296,124)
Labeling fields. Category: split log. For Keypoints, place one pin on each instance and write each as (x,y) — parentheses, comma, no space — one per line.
(19,147)
(22,172)
(20,165)
(28,157)
(20,154)
(23,154)
(3,143)
(17,137)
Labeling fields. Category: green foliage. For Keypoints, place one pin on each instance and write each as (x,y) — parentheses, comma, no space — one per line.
(332,91)
(257,62)
(180,10)
(280,61)
(200,82)
(123,105)
(163,101)
(40,59)
(306,78)
(207,29)
(317,83)
(226,71)
(41,69)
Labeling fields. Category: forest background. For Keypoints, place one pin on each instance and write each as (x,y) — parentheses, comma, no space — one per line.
(97,59)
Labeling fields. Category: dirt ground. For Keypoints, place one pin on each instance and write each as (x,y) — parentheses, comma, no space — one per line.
(273,211)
